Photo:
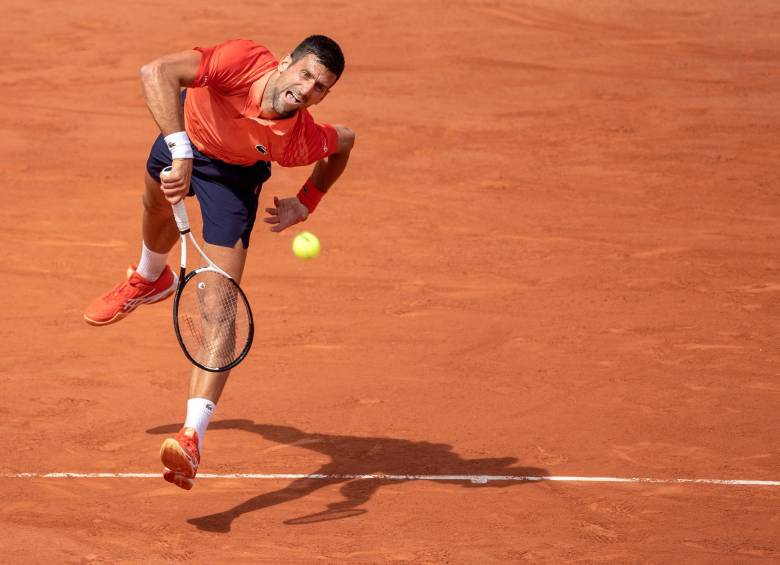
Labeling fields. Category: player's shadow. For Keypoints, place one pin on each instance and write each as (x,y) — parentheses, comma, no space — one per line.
(351,455)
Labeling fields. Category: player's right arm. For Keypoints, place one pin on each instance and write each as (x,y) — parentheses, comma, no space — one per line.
(162,80)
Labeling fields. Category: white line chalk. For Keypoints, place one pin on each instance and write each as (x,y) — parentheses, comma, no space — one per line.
(476,479)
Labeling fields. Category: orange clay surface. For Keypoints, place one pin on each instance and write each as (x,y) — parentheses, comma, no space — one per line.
(554,252)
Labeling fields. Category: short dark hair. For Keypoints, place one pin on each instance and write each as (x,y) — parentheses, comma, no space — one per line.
(324,49)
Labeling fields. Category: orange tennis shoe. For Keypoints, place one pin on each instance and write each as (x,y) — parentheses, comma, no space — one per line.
(129,295)
(181,458)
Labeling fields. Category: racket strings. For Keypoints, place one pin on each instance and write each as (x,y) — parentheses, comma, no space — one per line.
(214,319)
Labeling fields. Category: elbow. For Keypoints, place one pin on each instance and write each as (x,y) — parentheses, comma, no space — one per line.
(150,71)
(346,139)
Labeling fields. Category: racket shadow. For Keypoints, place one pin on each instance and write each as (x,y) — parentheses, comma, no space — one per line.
(353,455)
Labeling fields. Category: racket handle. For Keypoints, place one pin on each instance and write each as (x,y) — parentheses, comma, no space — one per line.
(179,209)
(180,214)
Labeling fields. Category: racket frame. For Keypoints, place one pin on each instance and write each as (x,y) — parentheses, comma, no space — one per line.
(183,223)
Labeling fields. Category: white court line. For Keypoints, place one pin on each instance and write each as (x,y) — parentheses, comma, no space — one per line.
(476,479)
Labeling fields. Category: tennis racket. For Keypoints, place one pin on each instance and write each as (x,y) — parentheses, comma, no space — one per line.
(211,314)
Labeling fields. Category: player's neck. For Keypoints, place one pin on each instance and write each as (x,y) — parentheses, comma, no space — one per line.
(267,101)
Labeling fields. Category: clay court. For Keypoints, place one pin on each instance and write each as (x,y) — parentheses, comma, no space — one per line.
(553,257)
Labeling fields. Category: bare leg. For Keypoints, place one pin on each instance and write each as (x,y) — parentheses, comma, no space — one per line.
(205,384)
(159,228)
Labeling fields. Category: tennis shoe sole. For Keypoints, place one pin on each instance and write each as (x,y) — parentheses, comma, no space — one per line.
(181,458)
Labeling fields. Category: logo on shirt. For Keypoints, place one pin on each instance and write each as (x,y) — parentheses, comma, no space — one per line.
(261,149)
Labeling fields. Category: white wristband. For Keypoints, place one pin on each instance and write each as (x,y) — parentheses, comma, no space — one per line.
(179,145)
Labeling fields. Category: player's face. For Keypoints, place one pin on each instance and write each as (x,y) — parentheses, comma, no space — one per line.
(301,84)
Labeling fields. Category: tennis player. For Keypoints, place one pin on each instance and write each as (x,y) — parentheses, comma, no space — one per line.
(240,110)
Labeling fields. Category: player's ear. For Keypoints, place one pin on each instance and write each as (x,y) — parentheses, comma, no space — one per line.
(284,63)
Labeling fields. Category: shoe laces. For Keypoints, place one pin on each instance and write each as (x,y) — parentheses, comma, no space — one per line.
(122,288)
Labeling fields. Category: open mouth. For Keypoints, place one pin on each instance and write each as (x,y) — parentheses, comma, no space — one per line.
(291,98)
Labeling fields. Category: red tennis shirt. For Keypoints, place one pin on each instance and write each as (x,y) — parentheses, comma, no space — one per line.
(222,110)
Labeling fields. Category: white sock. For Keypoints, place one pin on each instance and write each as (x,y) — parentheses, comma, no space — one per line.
(199,413)
(151,264)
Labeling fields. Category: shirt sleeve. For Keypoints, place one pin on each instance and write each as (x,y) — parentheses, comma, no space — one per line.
(233,66)
(322,139)
(311,142)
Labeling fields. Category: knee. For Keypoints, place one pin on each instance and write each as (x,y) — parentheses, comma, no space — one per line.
(154,201)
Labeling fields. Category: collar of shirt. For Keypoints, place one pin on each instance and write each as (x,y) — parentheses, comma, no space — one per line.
(252,108)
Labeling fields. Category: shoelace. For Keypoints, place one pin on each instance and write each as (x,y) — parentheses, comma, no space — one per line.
(118,289)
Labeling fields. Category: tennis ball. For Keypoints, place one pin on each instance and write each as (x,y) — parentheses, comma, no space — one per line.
(306,246)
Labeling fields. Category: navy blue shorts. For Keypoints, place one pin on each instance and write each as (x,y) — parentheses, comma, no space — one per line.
(228,194)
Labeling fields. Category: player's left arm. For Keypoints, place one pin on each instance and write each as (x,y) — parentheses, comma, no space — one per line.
(290,211)
(328,170)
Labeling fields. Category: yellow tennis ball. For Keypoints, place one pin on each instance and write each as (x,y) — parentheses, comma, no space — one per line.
(306,246)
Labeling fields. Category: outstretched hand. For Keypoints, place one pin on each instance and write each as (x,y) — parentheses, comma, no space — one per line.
(288,212)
